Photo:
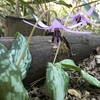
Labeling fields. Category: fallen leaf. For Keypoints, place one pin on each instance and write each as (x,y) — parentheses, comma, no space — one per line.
(74,92)
(86,94)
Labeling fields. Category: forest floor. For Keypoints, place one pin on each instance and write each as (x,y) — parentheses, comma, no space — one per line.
(78,88)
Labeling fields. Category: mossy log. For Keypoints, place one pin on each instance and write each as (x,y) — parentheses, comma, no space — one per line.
(76,47)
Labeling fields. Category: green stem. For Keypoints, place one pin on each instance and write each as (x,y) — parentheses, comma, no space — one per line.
(31,34)
(57,52)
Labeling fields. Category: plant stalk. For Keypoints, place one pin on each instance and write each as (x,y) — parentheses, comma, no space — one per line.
(29,38)
(57,52)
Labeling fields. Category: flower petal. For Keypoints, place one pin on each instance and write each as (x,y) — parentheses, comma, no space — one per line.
(56,24)
(40,23)
(89,21)
(32,24)
(75,32)
(47,28)
(89,12)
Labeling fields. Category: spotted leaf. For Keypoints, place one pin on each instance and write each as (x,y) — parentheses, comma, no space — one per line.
(16,51)
(11,87)
(57,81)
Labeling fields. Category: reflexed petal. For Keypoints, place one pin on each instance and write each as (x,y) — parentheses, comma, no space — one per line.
(75,32)
(40,23)
(89,21)
(55,24)
(89,12)
(32,24)
(47,28)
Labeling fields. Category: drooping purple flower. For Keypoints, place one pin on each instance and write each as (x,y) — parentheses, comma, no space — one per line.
(81,17)
(56,25)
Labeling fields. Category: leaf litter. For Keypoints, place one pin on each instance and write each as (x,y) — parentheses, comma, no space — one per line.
(78,88)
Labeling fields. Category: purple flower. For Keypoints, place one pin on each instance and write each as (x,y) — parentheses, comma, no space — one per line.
(80,17)
(56,25)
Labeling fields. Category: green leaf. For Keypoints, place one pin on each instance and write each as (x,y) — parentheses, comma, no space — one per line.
(15,52)
(90,79)
(3,50)
(11,2)
(26,4)
(86,3)
(68,63)
(57,81)
(11,86)
(60,2)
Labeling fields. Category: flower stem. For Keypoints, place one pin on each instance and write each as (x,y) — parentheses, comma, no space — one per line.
(57,52)
(29,38)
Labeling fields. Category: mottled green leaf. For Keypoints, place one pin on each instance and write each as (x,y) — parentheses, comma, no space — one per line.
(68,63)
(16,51)
(90,79)
(11,87)
(57,81)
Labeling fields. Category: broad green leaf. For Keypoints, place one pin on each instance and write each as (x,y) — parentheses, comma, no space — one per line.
(57,81)
(90,79)
(11,87)
(16,51)
(68,63)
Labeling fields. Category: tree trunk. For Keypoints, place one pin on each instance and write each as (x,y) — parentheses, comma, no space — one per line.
(80,47)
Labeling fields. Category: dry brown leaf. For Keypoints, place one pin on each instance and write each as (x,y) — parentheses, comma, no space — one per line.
(86,94)
(74,92)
